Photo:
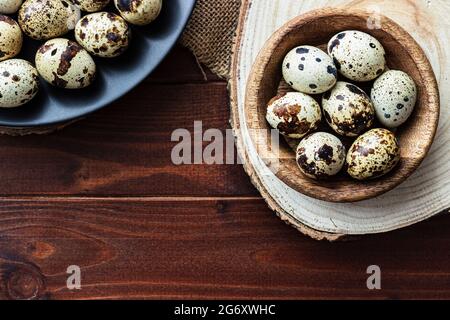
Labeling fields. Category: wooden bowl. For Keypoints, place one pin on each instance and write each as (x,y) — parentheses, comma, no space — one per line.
(316,28)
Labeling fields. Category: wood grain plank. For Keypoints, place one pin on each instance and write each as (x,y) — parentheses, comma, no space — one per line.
(204,248)
(125,149)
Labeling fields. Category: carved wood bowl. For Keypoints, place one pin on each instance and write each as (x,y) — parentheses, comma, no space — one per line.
(402,53)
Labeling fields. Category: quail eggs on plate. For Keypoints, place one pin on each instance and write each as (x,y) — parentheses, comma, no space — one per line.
(394,96)
(91,5)
(9,6)
(309,70)
(348,110)
(320,155)
(357,55)
(294,114)
(65,64)
(10,38)
(139,12)
(373,154)
(19,83)
(103,34)
(46,19)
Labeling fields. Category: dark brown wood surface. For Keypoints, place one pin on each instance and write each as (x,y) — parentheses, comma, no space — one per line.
(103,194)
(402,53)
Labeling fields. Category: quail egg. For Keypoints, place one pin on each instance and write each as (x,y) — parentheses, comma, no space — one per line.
(91,5)
(394,96)
(9,6)
(65,64)
(19,83)
(357,55)
(10,38)
(373,154)
(46,19)
(320,155)
(139,12)
(294,114)
(348,109)
(309,70)
(103,34)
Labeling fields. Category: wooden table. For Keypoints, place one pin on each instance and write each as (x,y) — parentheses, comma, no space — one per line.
(104,195)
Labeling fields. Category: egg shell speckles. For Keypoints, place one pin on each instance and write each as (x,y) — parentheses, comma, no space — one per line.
(19,83)
(294,114)
(394,96)
(309,70)
(65,64)
(9,6)
(46,19)
(320,155)
(373,155)
(103,34)
(139,12)
(357,55)
(348,109)
(91,5)
(10,38)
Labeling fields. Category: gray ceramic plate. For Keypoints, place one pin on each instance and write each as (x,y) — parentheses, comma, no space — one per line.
(116,77)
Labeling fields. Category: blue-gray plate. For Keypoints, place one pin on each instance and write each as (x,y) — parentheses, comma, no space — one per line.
(115,77)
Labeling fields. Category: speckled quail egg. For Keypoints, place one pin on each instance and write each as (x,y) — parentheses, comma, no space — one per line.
(19,83)
(309,70)
(91,5)
(9,6)
(46,19)
(294,114)
(103,34)
(10,38)
(139,12)
(65,64)
(348,109)
(357,55)
(394,96)
(320,155)
(373,154)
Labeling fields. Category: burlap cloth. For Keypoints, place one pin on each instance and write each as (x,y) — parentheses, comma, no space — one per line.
(209,35)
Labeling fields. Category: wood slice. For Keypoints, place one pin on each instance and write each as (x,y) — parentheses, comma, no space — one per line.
(422,196)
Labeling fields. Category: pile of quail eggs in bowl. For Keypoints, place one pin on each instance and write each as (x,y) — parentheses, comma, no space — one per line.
(63,63)
(354,59)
